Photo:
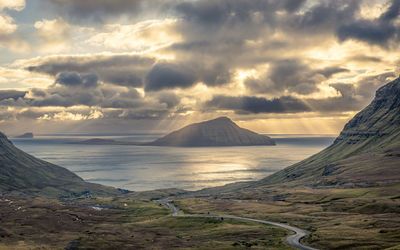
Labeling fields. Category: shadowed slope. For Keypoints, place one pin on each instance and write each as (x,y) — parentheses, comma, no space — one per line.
(23,173)
(218,132)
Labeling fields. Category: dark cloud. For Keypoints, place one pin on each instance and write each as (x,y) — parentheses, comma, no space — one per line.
(216,14)
(345,90)
(292,5)
(214,74)
(379,31)
(169,99)
(73,89)
(324,17)
(123,78)
(293,76)
(123,70)
(257,104)
(99,11)
(168,76)
(11,94)
(74,79)
(84,64)
(286,104)
(36,92)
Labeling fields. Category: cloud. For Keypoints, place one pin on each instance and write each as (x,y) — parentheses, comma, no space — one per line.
(11,94)
(323,17)
(282,105)
(249,104)
(8,37)
(118,69)
(123,78)
(345,90)
(293,76)
(168,76)
(72,116)
(180,57)
(364,58)
(7,25)
(380,31)
(367,86)
(17,5)
(170,99)
(53,65)
(99,11)
(139,37)
(54,33)
(73,79)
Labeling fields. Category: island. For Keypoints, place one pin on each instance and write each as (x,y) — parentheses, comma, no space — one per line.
(218,132)
(28,135)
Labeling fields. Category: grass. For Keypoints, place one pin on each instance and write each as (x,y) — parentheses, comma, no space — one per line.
(130,224)
(353,218)
(346,218)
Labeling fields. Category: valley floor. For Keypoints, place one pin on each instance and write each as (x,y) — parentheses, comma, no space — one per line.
(353,218)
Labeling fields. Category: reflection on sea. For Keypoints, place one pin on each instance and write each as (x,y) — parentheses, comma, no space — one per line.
(144,168)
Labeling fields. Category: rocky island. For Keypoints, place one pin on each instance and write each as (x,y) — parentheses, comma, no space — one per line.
(218,132)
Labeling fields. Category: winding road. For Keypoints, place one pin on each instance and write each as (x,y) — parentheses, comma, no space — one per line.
(291,240)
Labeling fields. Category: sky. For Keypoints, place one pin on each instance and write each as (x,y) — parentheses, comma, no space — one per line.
(100,66)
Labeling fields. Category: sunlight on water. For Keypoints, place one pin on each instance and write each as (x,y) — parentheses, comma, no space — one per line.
(144,168)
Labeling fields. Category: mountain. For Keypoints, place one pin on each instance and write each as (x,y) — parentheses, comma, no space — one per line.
(25,136)
(367,150)
(23,173)
(218,132)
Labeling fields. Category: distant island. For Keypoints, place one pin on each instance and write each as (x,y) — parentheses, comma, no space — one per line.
(217,132)
(99,141)
(25,136)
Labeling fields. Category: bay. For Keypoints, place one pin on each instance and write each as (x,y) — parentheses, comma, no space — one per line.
(140,168)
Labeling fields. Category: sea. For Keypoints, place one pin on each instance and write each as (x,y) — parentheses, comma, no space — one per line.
(140,168)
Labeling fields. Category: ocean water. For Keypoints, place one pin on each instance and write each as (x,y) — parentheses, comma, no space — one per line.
(141,168)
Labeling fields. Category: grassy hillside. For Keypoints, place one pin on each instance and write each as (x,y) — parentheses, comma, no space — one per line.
(374,130)
(23,173)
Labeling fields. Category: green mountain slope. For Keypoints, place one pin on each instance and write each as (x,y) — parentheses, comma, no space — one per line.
(373,131)
(218,132)
(23,173)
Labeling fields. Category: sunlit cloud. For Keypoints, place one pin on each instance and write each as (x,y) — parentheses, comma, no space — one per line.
(17,5)
(66,116)
(141,37)
(54,34)
(268,64)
